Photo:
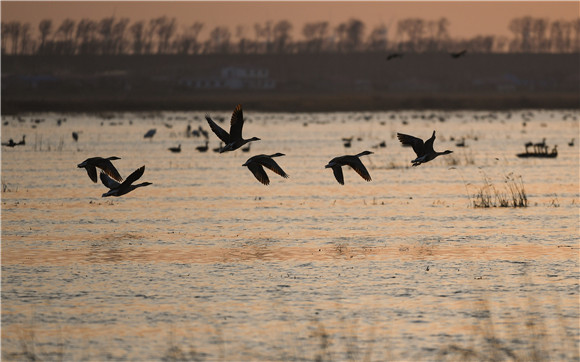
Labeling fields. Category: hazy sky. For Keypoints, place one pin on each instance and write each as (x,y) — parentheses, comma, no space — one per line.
(467,18)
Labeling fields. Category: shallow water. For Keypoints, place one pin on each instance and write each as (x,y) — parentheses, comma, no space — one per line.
(207,263)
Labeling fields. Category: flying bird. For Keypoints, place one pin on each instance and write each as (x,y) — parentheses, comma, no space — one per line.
(150,133)
(424,150)
(458,54)
(349,160)
(91,164)
(394,56)
(120,189)
(234,139)
(257,163)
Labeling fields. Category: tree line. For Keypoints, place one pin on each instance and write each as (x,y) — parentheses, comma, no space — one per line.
(117,36)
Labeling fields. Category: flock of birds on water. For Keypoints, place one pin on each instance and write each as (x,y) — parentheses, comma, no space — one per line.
(234,140)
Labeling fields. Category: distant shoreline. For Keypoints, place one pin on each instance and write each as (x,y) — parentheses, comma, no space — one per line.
(292,102)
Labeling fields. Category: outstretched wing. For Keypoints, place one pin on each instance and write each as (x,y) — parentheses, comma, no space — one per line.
(358,166)
(109,169)
(109,182)
(272,165)
(237,123)
(92,172)
(259,172)
(220,132)
(416,143)
(136,175)
(337,170)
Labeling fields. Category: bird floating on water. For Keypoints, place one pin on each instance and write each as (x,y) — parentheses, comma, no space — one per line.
(257,163)
(120,189)
(175,149)
(10,143)
(424,150)
(234,139)
(349,160)
(203,148)
(90,164)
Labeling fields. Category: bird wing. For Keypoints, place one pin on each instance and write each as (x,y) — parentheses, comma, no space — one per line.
(237,123)
(259,172)
(109,169)
(136,175)
(109,182)
(220,132)
(92,172)
(416,143)
(337,170)
(356,164)
(272,165)
(428,148)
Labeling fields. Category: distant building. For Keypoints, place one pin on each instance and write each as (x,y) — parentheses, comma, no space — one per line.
(233,78)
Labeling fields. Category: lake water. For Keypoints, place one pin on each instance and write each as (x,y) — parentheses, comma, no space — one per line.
(209,264)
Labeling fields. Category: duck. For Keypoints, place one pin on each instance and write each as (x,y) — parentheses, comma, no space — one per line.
(424,150)
(75,136)
(538,147)
(234,139)
(257,163)
(10,143)
(349,160)
(120,189)
(218,149)
(175,149)
(23,142)
(90,164)
(571,143)
(203,148)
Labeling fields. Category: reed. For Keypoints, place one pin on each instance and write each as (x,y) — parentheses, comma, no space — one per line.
(512,195)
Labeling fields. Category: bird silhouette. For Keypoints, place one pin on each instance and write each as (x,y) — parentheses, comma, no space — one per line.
(120,189)
(424,150)
(23,142)
(394,56)
(257,163)
(75,136)
(150,133)
(10,143)
(458,54)
(203,148)
(349,160)
(91,164)
(234,139)
(175,149)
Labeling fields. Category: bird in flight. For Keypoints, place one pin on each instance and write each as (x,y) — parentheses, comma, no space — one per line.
(120,189)
(91,164)
(234,139)
(349,160)
(257,163)
(424,150)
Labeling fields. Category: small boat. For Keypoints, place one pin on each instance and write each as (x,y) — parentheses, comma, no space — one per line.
(540,154)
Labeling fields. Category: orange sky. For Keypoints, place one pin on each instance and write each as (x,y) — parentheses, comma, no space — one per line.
(467,18)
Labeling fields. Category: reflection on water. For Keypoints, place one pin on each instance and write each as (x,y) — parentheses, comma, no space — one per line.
(207,263)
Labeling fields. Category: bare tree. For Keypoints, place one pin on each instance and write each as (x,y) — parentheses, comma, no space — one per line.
(314,33)
(65,33)
(85,36)
(165,30)
(14,28)
(137,31)
(282,38)
(219,40)
(378,39)
(45,28)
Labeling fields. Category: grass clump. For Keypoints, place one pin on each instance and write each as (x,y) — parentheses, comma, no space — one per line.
(512,195)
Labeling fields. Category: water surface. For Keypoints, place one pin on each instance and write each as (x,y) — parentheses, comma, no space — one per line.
(209,264)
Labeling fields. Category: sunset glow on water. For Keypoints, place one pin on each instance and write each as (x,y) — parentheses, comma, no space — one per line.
(209,264)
